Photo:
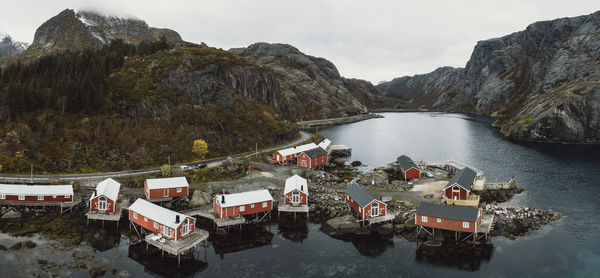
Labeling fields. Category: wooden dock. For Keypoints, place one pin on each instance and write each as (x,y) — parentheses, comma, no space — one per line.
(104,216)
(282,207)
(472,201)
(487,224)
(177,247)
(453,166)
(64,206)
(219,222)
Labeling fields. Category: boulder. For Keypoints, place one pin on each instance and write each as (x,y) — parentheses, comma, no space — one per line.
(11,214)
(384,229)
(200,198)
(346,224)
(339,161)
(356,163)
(17,246)
(30,244)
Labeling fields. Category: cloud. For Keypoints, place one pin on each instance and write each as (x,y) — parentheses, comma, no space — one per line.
(373,40)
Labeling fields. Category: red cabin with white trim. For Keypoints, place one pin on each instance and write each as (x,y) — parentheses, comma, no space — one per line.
(16,193)
(166,188)
(104,198)
(364,203)
(459,187)
(289,154)
(408,168)
(295,192)
(451,218)
(312,158)
(156,219)
(244,203)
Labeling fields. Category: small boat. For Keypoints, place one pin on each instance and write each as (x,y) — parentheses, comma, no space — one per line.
(428,174)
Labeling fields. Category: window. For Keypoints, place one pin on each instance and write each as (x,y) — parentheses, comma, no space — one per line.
(439,220)
(155,225)
(264,204)
(135,215)
(40,198)
(102,203)
(465,224)
(179,190)
(21,197)
(185,227)
(145,219)
(242,208)
(423,218)
(295,197)
(2,197)
(252,206)
(455,188)
(67,196)
(53,196)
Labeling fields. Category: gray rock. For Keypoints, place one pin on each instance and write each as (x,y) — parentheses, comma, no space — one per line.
(200,198)
(343,225)
(11,214)
(356,163)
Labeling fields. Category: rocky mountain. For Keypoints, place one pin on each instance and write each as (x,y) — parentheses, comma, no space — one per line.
(505,77)
(8,47)
(70,30)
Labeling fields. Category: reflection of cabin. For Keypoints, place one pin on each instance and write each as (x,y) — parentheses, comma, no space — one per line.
(364,203)
(295,191)
(244,203)
(452,218)
(169,224)
(289,154)
(312,158)
(459,187)
(408,168)
(166,188)
(104,198)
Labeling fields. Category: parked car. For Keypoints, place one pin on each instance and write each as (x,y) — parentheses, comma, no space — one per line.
(185,167)
(200,166)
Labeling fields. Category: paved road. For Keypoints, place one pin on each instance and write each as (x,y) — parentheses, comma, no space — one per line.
(96,176)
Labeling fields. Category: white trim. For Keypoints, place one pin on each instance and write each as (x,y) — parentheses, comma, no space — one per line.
(156,226)
(264,205)
(439,220)
(21,197)
(102,205)
(424,218)
(145,219)
(2,196)
(135,215)
(179,190)
(465,225)
(40,198)
(242,208)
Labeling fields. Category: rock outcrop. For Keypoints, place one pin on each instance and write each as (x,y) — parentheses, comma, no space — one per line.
(509,77)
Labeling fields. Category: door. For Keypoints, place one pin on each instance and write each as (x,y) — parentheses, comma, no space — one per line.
(375,209)
(101,203)
(166,192)
(455,192)
(295,197)
(185,228)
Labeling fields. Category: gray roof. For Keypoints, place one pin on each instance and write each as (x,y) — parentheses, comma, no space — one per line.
(406,163)
(464,178)
(315,152)
(448,212)
(360,195)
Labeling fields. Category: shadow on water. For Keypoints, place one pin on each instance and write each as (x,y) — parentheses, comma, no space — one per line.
(294,231)
(369,245)
(236,239)
(463,256)
(166,266)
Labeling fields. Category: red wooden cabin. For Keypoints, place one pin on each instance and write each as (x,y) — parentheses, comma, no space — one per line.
(244,203)
(156,219)
(364,203)
(459,187)
(408,168)
(289,154)
(312,158)
(166,188)
(451,218)
(295,192)
(105,196)
(16,193)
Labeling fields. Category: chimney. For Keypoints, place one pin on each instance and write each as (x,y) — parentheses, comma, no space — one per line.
(302,187)
(177,219)
(222,199)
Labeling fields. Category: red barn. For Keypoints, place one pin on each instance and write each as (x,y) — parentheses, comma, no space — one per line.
(295,191)
(364,203)
(105,196)
(156,219)
(451,218)
(312,158)
(35,193)
(166,188)
(251,202)
(459,187)
(289,154)
(408,168)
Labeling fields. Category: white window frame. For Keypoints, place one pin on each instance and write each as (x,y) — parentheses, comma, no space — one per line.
(423,218)
(145,219)
(53,196)
(439,220)
(135,215)
(465,225)
(104,203)
(264,204)
(156,226)
(179,189)
(185,229)
(67,196)
(2,197)
(375,207)
(21,197)
(251,205)
(40,198)
(348,197)
(295,197)
(242,208)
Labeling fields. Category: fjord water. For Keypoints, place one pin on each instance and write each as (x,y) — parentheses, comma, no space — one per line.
(559,177)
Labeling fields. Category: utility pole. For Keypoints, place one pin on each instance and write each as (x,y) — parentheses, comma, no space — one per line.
(31,172)
(169,160)
(256,154)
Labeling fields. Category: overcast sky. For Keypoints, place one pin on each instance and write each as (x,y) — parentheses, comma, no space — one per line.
(372,40)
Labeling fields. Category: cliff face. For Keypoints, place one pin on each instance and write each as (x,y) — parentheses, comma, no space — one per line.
(311,81)
(505,75)
(8,47)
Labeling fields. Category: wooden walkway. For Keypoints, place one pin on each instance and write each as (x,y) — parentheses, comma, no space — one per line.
(487,224)
(472,201)
(177,247)
(220,222)
(453,166)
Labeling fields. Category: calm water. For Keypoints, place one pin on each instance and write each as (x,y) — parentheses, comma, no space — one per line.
(558,177)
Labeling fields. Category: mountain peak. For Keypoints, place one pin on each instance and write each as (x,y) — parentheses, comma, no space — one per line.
(9,47)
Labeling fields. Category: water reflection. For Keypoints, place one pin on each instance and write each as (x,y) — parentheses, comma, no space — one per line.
(461,256)
(166,266)
(235,240)
(295,231)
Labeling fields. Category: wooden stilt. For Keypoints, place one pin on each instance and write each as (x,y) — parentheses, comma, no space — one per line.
(178,261)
